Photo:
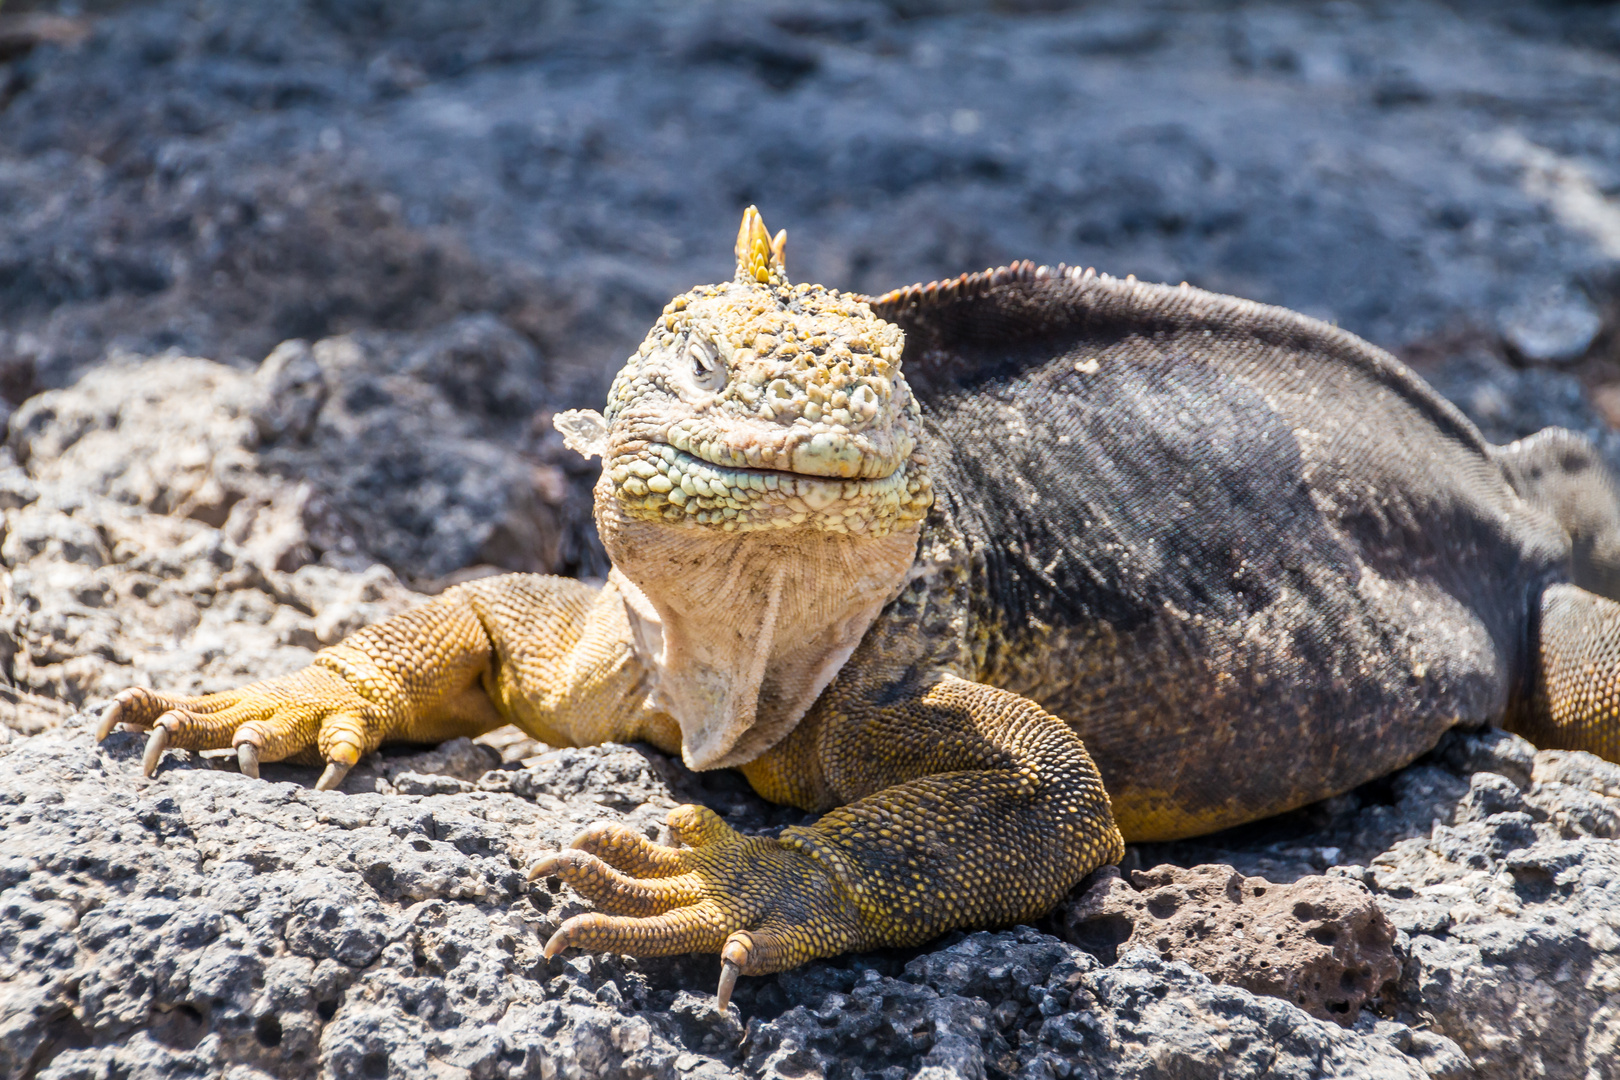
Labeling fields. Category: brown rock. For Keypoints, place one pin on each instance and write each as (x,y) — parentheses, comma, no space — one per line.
(1321,943)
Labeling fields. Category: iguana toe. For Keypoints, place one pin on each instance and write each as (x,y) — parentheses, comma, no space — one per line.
(310,716)
(109,719)
(755,952)
(175,723)
(618,893)
(732,959)
(138,707)
(763,905)
(623,848)
(333,776)
(699,928)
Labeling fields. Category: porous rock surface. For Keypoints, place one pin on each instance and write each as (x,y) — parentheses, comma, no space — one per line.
(1322,943)
(1497,865)
(200,921)
(179,521)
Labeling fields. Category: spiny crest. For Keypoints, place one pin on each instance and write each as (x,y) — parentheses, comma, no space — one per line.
(760,258)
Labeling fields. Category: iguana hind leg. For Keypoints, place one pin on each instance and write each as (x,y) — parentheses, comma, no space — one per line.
(1576,702)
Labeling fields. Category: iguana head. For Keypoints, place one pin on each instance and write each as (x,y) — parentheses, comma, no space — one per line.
(761,494)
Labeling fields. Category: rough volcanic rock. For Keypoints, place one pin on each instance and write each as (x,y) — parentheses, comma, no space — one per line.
(198,922)
(1496,863)
(1512,914)
(220,177)
(369,453)
(178,500)
(1322,943)
(1024,1004)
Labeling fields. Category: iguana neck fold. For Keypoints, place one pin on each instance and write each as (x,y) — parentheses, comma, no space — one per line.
(744,630)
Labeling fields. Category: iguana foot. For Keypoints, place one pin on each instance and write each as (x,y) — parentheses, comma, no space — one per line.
(760,903)
(308,717)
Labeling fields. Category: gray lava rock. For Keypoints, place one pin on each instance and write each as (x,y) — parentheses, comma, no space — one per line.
(1495,862)
(1322,943)
(200,921)
(1555,327)
(369,458)
(1022,1004)
(221,177)
(252,513)
(1513,917)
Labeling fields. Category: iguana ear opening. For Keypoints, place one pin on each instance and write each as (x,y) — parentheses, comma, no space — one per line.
(759,257)
(584,431)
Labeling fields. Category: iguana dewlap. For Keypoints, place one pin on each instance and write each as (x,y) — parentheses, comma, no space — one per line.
(980,570)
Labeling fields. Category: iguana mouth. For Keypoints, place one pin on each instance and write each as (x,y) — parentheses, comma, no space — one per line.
(833,456)
(822,450)
(658,482)
(689,462)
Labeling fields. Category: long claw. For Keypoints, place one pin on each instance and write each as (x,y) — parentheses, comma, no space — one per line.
(558,942)
(333,776)
(732,959)
(545,866)
(155,746)
(247,759)
(728,983)
(109,719)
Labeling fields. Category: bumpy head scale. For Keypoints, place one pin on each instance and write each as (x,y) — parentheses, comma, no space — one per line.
(762,404)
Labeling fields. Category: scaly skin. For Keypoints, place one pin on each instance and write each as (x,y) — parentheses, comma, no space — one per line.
(1187,532)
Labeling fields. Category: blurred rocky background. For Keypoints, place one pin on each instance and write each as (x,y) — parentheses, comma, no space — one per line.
(289,290)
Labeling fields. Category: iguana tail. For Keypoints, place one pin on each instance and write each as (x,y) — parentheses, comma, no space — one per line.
(1562,473)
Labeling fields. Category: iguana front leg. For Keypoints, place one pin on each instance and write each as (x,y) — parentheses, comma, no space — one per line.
(549,654)
(962,805)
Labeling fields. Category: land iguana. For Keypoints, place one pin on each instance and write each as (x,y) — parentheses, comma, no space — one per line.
(995,574)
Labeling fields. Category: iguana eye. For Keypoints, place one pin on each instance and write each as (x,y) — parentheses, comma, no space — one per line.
(707,371)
